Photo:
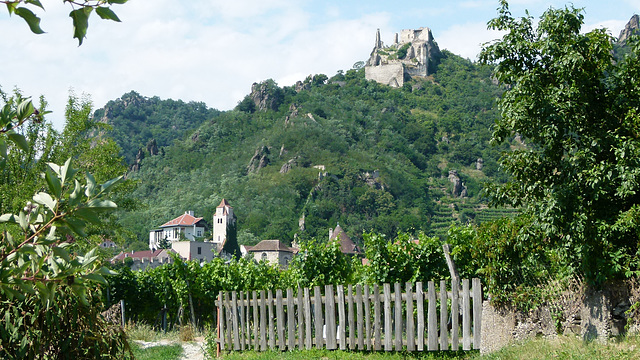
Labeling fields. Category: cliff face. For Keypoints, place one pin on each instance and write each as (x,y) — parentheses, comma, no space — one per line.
(631,28)
(413,53)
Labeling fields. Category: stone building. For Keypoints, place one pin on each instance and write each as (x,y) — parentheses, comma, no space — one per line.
(413,53)
(273,251)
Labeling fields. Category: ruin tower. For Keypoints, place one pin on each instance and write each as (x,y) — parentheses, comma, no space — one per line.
(222,218)
(413,53)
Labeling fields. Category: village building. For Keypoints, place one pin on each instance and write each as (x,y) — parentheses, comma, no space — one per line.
(347,246)
(184,227)
(141,260)
(222,219)
(273,251)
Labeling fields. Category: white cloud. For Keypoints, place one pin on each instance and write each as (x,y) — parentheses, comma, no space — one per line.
(467,39)
(212,51)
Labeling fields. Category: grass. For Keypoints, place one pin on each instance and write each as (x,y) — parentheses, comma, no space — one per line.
(562,347)
(164,352)
(570,347)
(348,355)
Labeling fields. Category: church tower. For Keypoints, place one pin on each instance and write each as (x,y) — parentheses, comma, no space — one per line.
(222,218)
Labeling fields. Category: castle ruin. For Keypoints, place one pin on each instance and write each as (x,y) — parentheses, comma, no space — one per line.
(413,53)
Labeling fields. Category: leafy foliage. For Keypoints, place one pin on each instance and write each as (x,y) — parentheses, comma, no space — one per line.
(41,275)
(577,112)
(79,16)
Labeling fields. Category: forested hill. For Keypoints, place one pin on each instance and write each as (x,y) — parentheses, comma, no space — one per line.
(301,159)
(139,121)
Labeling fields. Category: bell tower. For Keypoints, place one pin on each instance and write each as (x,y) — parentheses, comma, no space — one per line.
(222,218)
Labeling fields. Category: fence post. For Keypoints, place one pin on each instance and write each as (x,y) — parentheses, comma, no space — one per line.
(432,320)
(477,313)
(398,315)
(444,339)
(410,330)
(352,332)
(317,307)
(387,317)
(122,313)
(307,319)
(280,319)
(330,317)
(367,317)
(466,316)
(291,323)
(301,326)
(341,318)
(455,314)
(377,342)
(263,321)
(360,317)
(420,311)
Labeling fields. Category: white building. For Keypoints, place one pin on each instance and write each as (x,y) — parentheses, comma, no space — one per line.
(184,227)
(222,218)
(195,250)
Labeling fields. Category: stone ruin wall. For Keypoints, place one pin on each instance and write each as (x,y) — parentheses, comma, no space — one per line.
(389,74)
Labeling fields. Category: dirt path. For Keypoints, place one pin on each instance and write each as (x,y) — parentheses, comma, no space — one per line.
(193,350)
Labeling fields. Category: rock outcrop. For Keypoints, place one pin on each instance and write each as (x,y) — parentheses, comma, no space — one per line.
(632,27)
(259,160)
(414,53)
(136,163)
(459,189)
(152,147)
(266,95)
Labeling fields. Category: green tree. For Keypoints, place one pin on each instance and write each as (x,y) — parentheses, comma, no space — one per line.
(577,111)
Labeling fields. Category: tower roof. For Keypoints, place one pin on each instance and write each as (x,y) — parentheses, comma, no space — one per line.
(347,246)
(224,203)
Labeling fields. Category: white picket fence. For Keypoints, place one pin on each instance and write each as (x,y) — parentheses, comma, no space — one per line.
(360,318)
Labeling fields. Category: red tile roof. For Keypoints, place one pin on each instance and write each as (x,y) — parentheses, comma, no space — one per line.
(182,220)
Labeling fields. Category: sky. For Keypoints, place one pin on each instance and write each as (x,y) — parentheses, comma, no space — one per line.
(211,51)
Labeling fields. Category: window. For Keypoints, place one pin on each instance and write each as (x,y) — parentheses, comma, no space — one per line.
(199,250)
(199,233)
(264,256)
(176,233)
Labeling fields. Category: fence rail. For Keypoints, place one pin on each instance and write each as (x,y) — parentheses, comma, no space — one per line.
(355,318)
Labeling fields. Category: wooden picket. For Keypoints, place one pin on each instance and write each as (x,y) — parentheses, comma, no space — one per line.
(356,318)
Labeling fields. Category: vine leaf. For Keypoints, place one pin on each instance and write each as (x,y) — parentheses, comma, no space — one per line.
(32,20)
(80,23)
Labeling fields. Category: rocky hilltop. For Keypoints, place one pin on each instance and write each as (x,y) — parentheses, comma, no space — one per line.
(413,53)
(631,28)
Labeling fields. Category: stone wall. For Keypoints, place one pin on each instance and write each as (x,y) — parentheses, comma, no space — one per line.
(389,74)
(591,314)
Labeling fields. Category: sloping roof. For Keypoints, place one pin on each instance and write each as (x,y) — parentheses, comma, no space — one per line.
(182,220)
(146,254)
(271,245)
(347,246)
(224,203)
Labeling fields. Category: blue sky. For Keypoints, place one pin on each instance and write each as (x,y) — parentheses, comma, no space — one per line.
(213,50)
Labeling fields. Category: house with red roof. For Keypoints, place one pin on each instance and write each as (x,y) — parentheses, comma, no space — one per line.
(184,227)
